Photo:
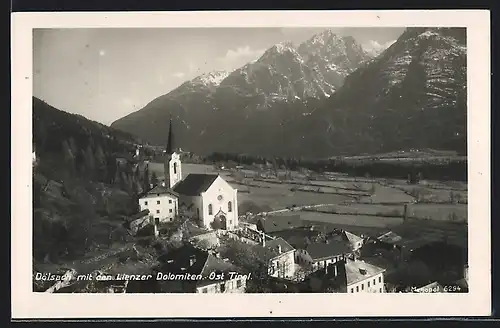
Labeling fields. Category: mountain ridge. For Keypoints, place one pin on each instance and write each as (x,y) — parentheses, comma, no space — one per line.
(247,110)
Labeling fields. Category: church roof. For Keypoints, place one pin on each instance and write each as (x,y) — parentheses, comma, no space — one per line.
(195,184)
(171,146)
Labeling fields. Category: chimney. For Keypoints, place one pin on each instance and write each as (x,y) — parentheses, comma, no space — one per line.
(263,239)
(279,249)
(192,260)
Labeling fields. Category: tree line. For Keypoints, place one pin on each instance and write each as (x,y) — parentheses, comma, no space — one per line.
(450,170)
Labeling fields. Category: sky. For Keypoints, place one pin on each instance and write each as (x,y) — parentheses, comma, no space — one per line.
(107,73)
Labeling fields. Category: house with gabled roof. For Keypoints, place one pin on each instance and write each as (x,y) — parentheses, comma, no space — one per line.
(276,223)
(161,202)
(189,269)
(214,201)
(318,255)
(281,258)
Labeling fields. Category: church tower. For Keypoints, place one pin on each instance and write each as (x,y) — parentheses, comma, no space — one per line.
(172,165)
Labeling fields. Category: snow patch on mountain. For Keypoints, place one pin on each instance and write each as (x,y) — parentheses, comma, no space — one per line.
(374,48)
(212,78)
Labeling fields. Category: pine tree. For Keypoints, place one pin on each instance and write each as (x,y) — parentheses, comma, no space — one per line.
(69,159)
(145,182)
(101,163)
(73,145)
(154,179)
(90,163)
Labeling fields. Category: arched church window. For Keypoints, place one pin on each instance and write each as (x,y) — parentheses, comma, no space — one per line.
(210,211)
(175,168)
(229,206)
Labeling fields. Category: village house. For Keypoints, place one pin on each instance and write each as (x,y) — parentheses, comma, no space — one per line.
(277,223)
(317,255)
(362,277)
(213,274)
(161,202)
(214,201)
(356,242)
(281,258)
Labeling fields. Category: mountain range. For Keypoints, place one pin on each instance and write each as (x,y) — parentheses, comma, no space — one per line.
(325,97)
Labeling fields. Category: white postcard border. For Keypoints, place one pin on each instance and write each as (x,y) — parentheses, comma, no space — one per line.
(26,304)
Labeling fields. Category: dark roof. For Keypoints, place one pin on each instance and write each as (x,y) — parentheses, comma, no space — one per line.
(275,243)
(279,223)
(171,140)
(299,242)
(360,270)
(178,262)
(159,190)
(325,250)
(195,184)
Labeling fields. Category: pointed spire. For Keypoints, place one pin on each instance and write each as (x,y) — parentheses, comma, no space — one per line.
(170,142)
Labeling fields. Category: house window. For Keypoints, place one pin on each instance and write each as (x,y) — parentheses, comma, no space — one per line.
(146,203)
(230,222)
(357,289)
(158,202)
(157,220)
(380,279)
(368,284)
(157,211)
(170,219)
(205,290)
(238,283)
(229,206)
(175,168)
(222,288)
(170,210)
(170,201)
(352,290)
(374,282)
(362,286)
(380,290)
(210,211)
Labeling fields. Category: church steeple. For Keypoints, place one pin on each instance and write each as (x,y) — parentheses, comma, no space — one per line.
(172,164)
(170,142)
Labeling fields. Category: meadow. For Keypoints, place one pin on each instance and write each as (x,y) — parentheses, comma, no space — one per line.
(384,206)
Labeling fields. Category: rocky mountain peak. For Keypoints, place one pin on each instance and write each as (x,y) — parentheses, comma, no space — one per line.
(213,78)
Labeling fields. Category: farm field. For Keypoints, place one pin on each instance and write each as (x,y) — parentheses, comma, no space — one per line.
(385,194)
(279,198)
(352,220)
(367,210)
(439,212)
(435,195)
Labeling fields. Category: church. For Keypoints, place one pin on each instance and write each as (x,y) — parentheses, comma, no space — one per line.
(213,201)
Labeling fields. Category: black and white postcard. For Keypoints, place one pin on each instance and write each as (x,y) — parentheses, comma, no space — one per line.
(185,160)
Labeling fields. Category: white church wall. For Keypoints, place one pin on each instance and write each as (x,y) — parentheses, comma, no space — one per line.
(219,194)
